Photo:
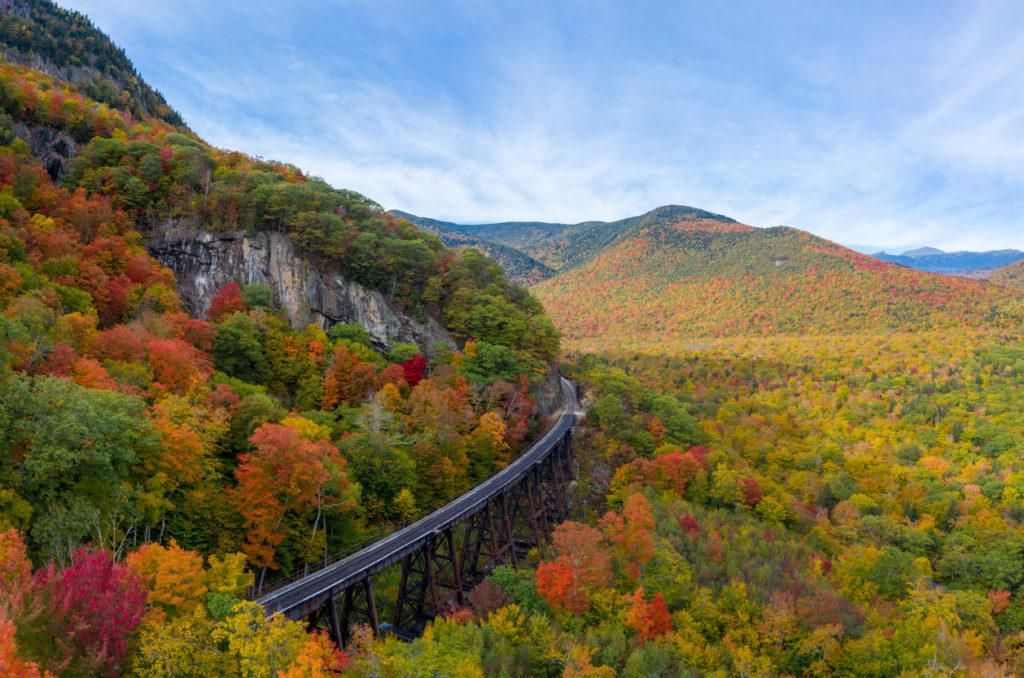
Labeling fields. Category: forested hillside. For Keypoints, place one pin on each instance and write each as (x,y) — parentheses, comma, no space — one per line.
(69,48)
(154,466)
(836,497)
(1011,276)
(696,277)
(520,268)
(796,461)
(565,246)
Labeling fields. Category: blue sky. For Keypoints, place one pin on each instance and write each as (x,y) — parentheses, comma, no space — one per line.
(879,124)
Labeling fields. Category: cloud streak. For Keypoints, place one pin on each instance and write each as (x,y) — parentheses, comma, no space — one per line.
(890,128)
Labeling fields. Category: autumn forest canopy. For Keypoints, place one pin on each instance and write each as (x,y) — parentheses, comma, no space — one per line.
(791,460)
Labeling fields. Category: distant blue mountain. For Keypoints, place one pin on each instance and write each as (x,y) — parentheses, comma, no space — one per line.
(521,268)
(952,263)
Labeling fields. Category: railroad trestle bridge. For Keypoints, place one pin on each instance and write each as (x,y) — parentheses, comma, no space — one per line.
(445,554)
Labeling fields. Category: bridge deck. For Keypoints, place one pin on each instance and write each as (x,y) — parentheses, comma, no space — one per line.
(309,593)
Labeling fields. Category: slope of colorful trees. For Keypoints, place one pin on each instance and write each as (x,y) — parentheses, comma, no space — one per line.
(157,177)
(692,278)
(1011,276)
(796,461)
(66,42)
(126,425)
(155,467)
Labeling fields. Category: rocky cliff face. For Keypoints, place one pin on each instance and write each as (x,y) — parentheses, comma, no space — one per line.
(51,148)
(204,262)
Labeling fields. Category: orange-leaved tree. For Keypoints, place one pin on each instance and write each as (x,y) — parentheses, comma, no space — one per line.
(348,379)
(582,565)
(284,474)
(630,533)
(649,618)
(174,576)
(318,658)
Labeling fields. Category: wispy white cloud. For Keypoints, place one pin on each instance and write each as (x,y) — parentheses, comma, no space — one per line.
(894,128)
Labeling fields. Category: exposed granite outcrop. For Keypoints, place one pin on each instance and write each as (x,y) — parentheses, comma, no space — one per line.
(203,262)
(51,149)
(548,393)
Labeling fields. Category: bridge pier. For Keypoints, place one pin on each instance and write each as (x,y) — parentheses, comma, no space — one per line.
(484,539)
(436,576)
(508,511)
(358,599)
(358,604)
(431,581)
(537,514)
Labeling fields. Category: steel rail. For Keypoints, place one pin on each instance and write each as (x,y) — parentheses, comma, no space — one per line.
(304,596)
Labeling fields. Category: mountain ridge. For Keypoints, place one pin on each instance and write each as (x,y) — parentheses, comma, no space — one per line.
(562,246)
(699,277)
(934,260)
(922,252)
(520,267)
(68,47)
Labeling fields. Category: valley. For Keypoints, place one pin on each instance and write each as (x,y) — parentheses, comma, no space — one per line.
(839,464)
(220,373)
